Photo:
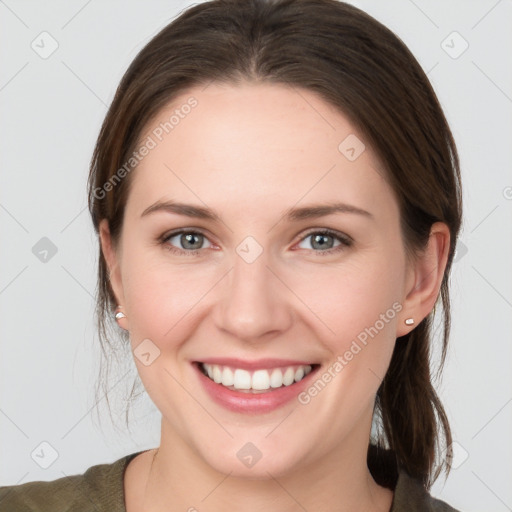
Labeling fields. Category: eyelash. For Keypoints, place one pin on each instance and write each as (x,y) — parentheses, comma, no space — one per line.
(345,241)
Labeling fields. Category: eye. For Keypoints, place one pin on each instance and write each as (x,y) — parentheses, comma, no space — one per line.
(189,242)
(324,241)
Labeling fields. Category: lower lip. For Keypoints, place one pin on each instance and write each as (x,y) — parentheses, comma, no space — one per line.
(255,403)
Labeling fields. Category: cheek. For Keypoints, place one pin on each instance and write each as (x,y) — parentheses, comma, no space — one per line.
(159,294)
(159,300)
(358,306)
(352,297)
(162,305)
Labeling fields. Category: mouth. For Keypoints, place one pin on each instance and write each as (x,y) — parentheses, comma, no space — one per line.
(255,380)
(257,387)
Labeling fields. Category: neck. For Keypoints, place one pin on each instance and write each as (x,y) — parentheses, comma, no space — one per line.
(179,479)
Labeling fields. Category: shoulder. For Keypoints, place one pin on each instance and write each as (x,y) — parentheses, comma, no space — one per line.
(100,488)
(410,495)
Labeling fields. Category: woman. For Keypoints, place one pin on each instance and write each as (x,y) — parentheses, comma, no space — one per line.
(277,198)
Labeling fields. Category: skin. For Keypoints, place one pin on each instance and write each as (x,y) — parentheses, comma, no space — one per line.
(251,152)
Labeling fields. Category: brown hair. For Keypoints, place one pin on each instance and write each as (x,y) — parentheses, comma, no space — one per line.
(356,64)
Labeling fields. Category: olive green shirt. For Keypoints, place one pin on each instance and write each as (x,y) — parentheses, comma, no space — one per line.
(101,489)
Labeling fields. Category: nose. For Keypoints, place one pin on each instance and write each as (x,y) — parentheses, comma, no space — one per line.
(255,304)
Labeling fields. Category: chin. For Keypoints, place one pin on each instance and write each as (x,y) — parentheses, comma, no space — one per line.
(245,460)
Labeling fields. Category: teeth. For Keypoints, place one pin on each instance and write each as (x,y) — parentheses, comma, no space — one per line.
(242,379)
(228,378)
(217,374)
(276,378)
(259,380)
(288,377)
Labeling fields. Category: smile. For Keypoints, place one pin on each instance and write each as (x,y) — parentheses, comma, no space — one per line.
(260,380)
(256,387)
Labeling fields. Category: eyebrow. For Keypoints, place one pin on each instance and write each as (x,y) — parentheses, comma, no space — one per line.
(293,214)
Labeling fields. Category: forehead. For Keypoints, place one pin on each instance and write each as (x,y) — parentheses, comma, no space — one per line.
(256,144)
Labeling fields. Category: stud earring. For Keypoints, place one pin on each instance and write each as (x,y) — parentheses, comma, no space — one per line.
(119,314)
(409,321)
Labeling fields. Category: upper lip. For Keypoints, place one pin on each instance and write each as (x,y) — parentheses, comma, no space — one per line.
(255,364)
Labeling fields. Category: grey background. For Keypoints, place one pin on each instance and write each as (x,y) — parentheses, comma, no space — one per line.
(51,111)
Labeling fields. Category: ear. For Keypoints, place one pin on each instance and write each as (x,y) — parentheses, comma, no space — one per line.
(111,255)
(424,278)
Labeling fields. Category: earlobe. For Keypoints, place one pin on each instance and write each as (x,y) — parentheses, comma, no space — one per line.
(425,279)
(120,318)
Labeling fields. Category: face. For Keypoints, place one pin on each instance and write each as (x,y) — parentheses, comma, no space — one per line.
(260,287)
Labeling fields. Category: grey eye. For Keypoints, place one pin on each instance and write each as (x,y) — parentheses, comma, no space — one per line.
(191,240)
(320,241)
